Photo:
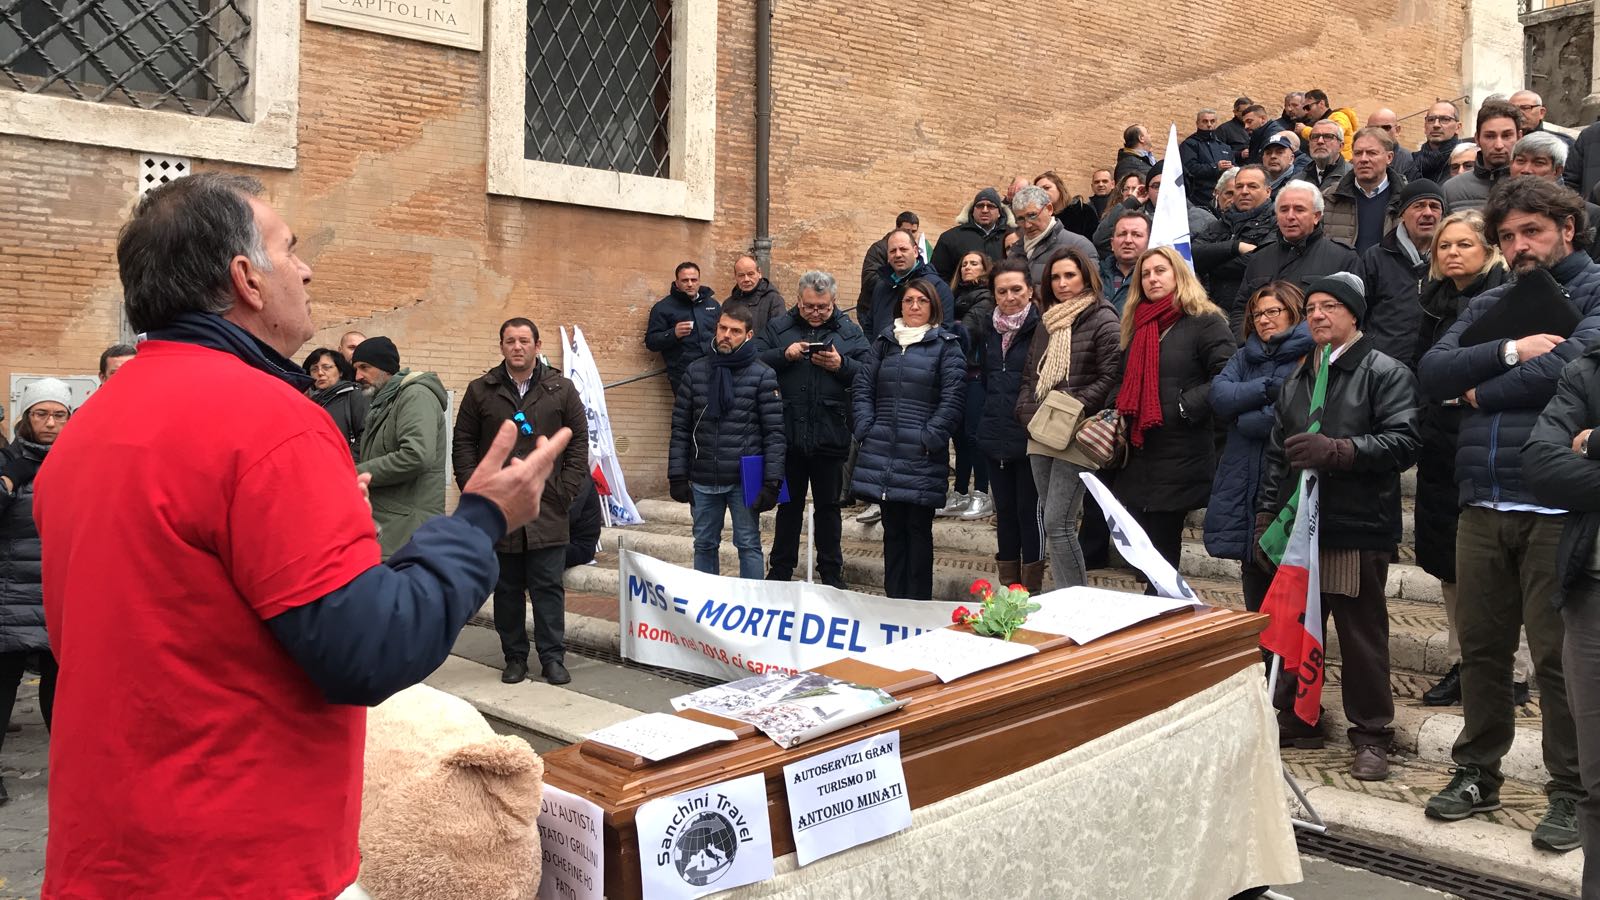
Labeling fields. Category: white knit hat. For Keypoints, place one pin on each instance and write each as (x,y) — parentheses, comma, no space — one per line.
(43,390)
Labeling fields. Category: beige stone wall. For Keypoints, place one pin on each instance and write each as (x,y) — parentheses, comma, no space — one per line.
(876,111)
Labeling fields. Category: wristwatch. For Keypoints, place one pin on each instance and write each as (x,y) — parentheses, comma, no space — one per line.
(1508,353)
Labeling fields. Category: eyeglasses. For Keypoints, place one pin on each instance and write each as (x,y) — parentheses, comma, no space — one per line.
(915,301)
(1438,118)
(984,205)
(1324,137)
(808,308)
(41,415)
(1323,308)
(1270,313)
(523,425)
(1528,107)
(1033,216)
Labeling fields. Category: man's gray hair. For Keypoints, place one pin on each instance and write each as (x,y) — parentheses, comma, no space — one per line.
(1205,112)
(1225,179)
(1465,147)
(1545,144)
(1030,196)
(818,282)
(1306,186)
(175,251)
(1337,128)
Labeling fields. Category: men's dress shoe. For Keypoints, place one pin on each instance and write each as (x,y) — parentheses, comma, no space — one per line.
(1370,764)
(556,673)
(1447,692)
(1519,693)
(516,670)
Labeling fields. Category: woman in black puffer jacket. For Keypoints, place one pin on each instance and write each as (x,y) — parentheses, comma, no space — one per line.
(1465,264)
(974,305)
(1003,343)
(334,388)
(45,407)
(907,400)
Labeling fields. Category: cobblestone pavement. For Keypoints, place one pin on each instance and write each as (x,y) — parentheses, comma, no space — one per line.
(23,763)
(1411,781)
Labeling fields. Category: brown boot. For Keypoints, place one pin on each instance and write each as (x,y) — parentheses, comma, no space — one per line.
(1010,571)
(1033,576)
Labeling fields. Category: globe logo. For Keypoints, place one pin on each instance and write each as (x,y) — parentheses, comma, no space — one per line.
(705,848)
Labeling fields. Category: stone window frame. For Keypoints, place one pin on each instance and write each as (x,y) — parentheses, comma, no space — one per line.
(689,192)
(269,139)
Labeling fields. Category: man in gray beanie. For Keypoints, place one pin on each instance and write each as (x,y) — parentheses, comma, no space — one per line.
(1365,436)
(1396,267)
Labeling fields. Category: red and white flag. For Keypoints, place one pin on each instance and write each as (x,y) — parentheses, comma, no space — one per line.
(1295,604)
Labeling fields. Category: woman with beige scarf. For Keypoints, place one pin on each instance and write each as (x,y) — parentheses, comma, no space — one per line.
(1075,350)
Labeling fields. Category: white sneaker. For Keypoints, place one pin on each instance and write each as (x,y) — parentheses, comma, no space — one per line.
(869,515)
(981,506)
(955,504)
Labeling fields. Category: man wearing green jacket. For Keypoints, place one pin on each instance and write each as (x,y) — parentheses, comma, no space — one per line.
(403,445)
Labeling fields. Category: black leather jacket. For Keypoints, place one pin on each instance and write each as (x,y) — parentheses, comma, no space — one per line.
(1372,400)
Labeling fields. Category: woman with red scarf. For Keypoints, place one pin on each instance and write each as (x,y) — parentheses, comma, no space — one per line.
(1174,341)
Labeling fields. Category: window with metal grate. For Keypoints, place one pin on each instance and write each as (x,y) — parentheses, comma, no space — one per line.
(598,85)
(185,56)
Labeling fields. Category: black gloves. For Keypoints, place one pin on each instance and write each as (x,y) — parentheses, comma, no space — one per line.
(680,490)
(768,498)
(1263,522)
(20,469)
(1318,451)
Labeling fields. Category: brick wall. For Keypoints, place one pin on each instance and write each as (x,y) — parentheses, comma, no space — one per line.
(876,111)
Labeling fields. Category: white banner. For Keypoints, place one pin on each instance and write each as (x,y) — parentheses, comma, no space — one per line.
(572,851)
(1135,547)
(577,363)
(730,627)
(706,840)
(847,797)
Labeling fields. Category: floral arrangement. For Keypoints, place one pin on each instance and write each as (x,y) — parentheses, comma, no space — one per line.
(1002,613)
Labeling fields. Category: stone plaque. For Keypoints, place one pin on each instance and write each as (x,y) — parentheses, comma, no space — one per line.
(456,23)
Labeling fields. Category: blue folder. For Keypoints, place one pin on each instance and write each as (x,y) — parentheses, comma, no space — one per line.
(751,468)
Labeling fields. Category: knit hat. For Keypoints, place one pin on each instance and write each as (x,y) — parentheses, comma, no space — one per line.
(44,390)
(1345,287)
(989,194)
(378,352)
(1421,189)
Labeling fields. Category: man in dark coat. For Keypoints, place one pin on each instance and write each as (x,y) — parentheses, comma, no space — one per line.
(683,323)
(1205,157)
(1385,120)
(877,256)
(1134,157)
(1583,163)
(903,266)
(1326,146)
(1443,127)
(1222,251)
(539,401)
(754,292)
(981,226)
(1300,253)
(1281,157)
(1236,131)
(1394,271)
(727,409)
(1563,467)
(1199,218)
(1368,437)
(1499,129)
(1507,536)
(815,381)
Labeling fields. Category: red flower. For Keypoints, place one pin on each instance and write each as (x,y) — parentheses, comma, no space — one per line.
(981,586)
(960,615)
(1016,587)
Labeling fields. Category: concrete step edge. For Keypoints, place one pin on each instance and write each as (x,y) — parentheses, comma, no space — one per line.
(548,711)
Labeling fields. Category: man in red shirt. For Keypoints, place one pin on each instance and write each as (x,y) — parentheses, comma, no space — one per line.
(213,589)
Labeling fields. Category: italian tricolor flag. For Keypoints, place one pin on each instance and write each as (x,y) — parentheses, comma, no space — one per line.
(1295,604)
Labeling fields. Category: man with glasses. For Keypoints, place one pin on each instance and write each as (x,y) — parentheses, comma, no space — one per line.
(981,226)
(1199,219)
(1319,109)
(1386,120)
(535,397)
(1042,232)
(1328,164)
(1368,436)
(1499,129)
(1533,113)
(816,351)
(1442,126)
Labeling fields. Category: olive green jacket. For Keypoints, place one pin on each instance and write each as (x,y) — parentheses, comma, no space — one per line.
(403,448)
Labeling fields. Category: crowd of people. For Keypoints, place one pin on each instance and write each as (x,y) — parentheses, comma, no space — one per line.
(1347,310)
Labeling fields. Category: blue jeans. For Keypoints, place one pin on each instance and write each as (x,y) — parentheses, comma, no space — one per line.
(710,501)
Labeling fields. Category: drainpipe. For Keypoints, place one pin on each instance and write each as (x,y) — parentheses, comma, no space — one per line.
(763,242)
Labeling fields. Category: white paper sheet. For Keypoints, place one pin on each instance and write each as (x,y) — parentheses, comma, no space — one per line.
(946,653)
(847,796)
(572,850)
(1085,613)
(706,840)
(658,736)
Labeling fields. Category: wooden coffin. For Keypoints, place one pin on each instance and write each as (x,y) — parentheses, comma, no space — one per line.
(1009,718)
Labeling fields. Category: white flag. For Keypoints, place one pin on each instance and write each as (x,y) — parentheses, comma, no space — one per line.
(1170,228)
(1135,546)
(578,365)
